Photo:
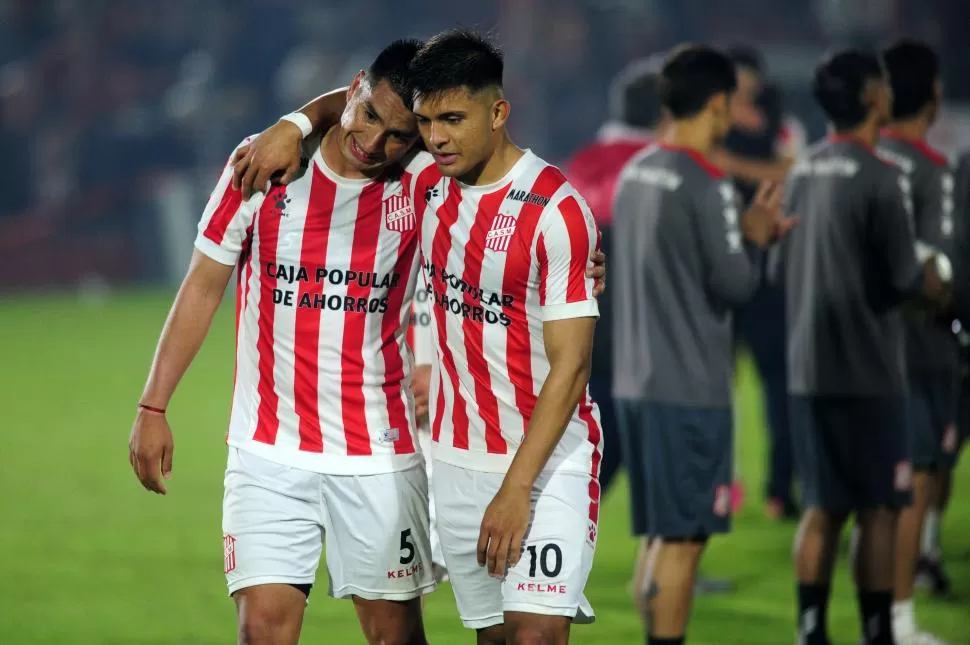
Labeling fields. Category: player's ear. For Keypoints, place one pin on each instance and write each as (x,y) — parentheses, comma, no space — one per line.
(500,113)
(719,105)
(355,85)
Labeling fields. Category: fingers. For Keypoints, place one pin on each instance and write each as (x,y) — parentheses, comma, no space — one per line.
(249,179)
(483,540)
(515,548)
(498,559)
(599,287)
(149,472)
(786,224)
(241,160)
(167,454)
(764,190)
(290,173)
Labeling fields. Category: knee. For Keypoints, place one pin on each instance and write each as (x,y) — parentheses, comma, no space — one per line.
(258,628)
(531,636)
(378,634)
(268,619)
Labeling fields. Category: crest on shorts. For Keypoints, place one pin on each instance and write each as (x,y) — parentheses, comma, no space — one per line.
(398,214)
(229,553)
(722,501)
(904,476)
(501,231)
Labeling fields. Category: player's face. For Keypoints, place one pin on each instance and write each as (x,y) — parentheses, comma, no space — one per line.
(377,129)
(461,129)
(745,113)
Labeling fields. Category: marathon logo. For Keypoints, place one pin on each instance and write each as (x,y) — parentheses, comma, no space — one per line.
(526,197)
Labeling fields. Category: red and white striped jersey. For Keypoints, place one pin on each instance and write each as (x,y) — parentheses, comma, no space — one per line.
(327,268)
(501,260)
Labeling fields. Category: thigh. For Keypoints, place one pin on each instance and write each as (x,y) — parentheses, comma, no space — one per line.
(377,533)
(689,468)
(550,577)
(810,464)
(461,497)
(630,424)
(271,523)
(865,444)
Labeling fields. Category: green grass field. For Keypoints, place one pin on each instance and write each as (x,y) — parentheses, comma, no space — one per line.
(88,557)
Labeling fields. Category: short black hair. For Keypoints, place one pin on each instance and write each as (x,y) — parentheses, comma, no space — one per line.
(913,69)
(393,65)
(634,94)
(839,82)
(691,76)
(747,57)
(456,58)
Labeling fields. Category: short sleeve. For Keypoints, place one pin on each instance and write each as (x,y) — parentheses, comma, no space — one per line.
(894,233)
(566,240)
(225,220)
(732,263)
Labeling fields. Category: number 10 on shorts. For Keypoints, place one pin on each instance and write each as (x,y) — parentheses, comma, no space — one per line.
(548,559)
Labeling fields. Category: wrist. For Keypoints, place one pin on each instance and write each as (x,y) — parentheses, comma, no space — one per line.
(155,409)
(301,121)
(515,483)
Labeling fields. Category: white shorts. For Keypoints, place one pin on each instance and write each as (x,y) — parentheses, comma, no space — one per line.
(557,553)
(424,439)
(275,519)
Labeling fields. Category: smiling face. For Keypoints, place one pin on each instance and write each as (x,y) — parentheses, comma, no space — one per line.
(377,129)
(461,129)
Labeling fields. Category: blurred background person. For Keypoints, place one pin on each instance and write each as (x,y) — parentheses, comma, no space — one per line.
(636,119)
(760,324)
(931,346)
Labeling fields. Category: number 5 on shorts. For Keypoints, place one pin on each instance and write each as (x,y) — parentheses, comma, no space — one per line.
(408,546)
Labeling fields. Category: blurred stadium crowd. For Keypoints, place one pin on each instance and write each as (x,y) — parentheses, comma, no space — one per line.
(112,109)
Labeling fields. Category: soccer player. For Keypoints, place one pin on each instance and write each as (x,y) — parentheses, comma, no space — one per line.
(931,347)
(321,437)
(506,243)
(685,257)
(846,269)
(929,570)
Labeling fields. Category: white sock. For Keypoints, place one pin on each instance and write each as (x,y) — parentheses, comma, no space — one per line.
(930,542)
(904,618)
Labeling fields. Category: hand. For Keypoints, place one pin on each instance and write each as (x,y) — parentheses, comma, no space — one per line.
(503,528)
(421,388)
(597,272)
(150,450)
(763,221)
(275,150)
